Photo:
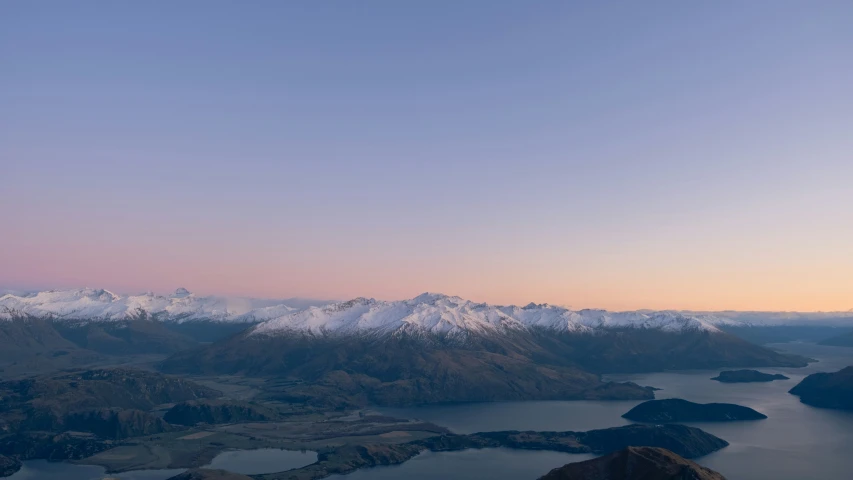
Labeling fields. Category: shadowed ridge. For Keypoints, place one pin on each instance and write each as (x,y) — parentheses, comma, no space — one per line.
(208,474)
(635,463)
(679,410)
(827,390)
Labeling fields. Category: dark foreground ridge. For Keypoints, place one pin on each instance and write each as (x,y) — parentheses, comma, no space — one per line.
(827,390)
(687,441)
(634,463)
(747,376)
(678,410)
(8,465)
(207,474)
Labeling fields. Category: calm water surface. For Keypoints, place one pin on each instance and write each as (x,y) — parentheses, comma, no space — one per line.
(44,470)
(495,463)
(263,460)
(796,442)
(248,462)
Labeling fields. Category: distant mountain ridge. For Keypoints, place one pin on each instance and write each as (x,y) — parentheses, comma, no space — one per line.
(183,305)
(104,305)
(843,340)
(450,316)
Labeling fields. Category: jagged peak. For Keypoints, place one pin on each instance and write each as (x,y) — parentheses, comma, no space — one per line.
(448,315)
(181,292)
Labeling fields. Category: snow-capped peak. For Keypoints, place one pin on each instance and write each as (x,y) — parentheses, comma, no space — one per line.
(102,305)
(425,313)
(454,316)
(433,313)
(181,293)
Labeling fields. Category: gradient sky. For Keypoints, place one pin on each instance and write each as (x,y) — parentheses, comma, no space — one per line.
(622,155)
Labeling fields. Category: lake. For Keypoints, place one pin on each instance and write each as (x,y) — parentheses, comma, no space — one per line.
(262,460)
(796,441)
(493,463)
(44,470)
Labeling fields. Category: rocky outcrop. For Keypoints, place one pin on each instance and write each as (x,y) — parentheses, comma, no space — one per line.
(110,403)
(101,388)
(64,446)
(747,376)
(8,465)
(115,423)
(827,390)
(218,411)
(678,410)
(635,463)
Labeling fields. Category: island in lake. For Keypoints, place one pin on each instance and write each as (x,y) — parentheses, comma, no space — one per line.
(747,376)
(678,410)
(635,462)
(827,390)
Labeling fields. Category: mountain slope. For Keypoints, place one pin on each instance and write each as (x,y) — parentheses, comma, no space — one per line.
(30,345)
(436,348)
(843,340)
(644,350)
(593,340)
(112,403)
(397,370)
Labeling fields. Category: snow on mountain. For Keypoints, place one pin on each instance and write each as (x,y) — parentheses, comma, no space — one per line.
(426,313)
(266,313)
(453,316)
(103,305)
(776,319)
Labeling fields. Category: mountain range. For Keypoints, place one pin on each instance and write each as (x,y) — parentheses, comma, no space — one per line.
(438,348)
(431,348)
(182,305)
(95,304)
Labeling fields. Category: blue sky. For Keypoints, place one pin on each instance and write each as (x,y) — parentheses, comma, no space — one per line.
(615,154)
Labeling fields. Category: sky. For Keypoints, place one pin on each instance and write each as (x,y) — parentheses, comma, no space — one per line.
(620,155)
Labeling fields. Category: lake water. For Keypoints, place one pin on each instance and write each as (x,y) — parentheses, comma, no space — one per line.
(248,462)
(44,470)
(796,441)
(494,463)
(263,460)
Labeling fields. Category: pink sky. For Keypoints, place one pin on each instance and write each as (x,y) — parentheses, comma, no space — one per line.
(690,156)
